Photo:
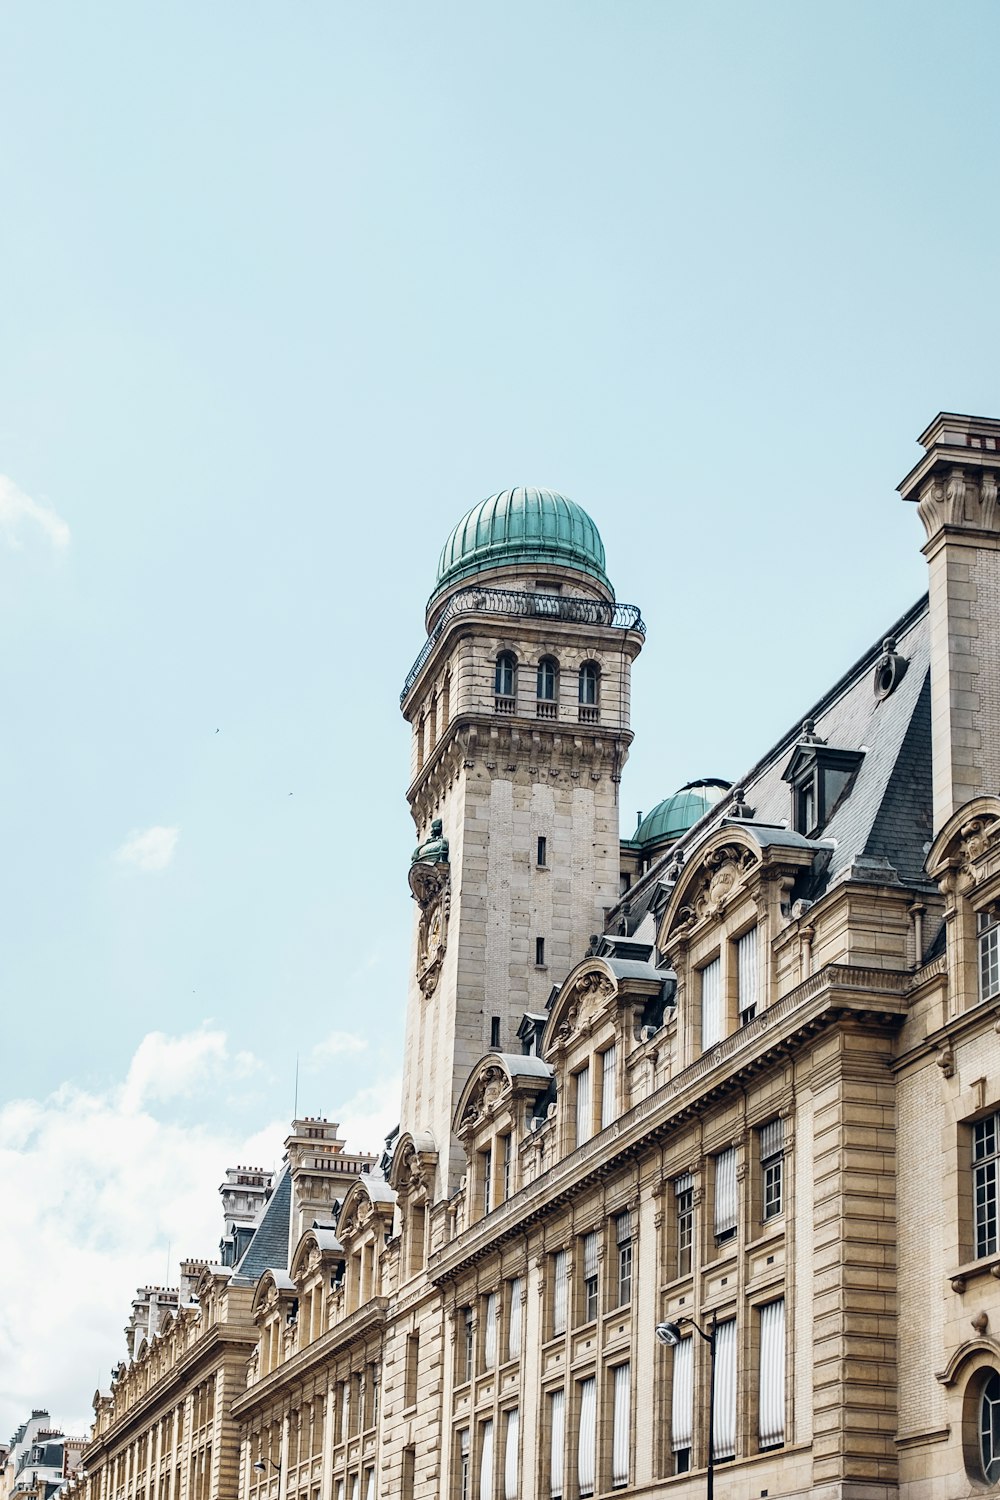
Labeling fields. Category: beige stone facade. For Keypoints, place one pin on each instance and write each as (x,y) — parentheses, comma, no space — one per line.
(762,1105)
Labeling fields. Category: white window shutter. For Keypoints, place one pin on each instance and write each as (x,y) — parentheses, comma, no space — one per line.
(587,1449)
(510,1455)
(711,1004)
(621,1425)
(682,1401)
(725,1389)
(771,1426)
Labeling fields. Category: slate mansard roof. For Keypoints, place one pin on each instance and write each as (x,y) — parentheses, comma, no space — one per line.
(268,1250)
(882,827)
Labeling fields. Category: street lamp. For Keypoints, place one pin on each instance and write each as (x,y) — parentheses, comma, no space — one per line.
(670,1333)
(262,1463)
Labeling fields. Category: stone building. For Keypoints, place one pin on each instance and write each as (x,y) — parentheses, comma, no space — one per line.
(735,1077)
(39,1461)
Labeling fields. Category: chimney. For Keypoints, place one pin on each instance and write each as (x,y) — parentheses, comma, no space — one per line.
(955,488)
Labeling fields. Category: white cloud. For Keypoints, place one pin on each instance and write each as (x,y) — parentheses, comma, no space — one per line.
(98,1184)
(366,1120)
(18,509)
(336,1045)
(149,848)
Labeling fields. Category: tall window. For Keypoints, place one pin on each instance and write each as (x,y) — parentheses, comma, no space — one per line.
(684,1197)
(771,1402)
(589,1307)
(590,679)
(725,1389)
(506,1165)
(557,1442)
(621,1425)
(746,975)
(486,1168)
(587,1446)
(492,1315)
(989,1429)
(609,1064)
(682,1405)
(547,672)
(988,925)
(505,677)
(583,1111)
(985,1150)
(466,1345)
(514,1320)
(510,1454)
(711,1004)
(410,1372)
(559,1292)
(725,1195)
(486,1461)
(772,1165)
(623,1240)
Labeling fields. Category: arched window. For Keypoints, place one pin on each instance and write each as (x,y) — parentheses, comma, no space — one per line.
(989,1428)
(505,681)
(548,675)
(590,680)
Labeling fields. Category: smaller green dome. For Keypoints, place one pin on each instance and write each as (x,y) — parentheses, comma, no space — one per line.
(675,815)
(522,526)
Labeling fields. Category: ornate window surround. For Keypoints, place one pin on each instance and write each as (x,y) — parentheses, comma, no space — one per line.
(964,861)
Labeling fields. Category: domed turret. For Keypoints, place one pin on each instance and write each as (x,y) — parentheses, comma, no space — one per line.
(675,815)
(522,527)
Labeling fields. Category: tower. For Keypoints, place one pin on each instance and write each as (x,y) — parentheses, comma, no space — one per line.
(519,708)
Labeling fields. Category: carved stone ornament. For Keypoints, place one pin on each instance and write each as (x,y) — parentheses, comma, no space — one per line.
(725,870)
(959,498)
(430,886)
(590,994)
(492,1083)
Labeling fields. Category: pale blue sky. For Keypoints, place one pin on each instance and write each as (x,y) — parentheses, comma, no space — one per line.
(287,289)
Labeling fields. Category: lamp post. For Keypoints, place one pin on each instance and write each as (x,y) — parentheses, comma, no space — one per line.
(261,1465)
(670,1333)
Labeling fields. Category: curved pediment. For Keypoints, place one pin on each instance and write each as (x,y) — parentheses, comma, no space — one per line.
(496,1076)
(964,1353)
(413,1162)
(272,1287)
(316,1246)
(368,1198)
(586,997)
(730,861)
(968,846)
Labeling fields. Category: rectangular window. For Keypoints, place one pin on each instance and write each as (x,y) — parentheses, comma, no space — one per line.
(491,1316)
(410,1376)
(711,1004)
(621,1425)
(623,1239)
(725,1195)
(583,1111)
(559,1292)
(486,1171)
(407,1472)
(587,1446)
(772,1163)
(510,1454)
(684,1195)
(494,1031)
(747,974)
(463,1464)
(609,1092)
(725,1389)
(771,1403)
(682,1405)
(590,1247)
(989,955)
(542,851)
(369,1485)
(985,1149)
(466,1346)
(539,953)
(486,1461)
(514,1320)
(557,1442)
(507,1165)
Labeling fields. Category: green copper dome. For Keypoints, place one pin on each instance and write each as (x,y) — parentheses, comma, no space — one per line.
(675,815)
(522,526)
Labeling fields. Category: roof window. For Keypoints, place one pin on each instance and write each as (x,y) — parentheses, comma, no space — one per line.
(820,777)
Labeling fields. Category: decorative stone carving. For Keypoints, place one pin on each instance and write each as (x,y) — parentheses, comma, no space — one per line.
(430,886)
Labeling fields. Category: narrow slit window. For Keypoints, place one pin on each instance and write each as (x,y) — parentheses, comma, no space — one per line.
(540,952)
(542,852)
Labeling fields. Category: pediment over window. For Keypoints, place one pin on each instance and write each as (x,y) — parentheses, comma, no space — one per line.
(370,1202)
(965,1352)
(734,862)
(317,1246)
(414,1161)
(495,1080)
(273,1287)
(966,852)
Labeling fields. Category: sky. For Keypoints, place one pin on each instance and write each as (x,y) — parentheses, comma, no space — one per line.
(284,291)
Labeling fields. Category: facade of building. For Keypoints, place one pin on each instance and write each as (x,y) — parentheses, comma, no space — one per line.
(735,1076)
(39,1460)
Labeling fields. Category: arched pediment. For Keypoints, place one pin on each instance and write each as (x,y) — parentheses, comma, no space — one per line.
(368,1198)
(587,995)
(413,1162)
(966,1352)
(272,1287)
(494,1077)
(968,846)
(732,859)
(316,1246)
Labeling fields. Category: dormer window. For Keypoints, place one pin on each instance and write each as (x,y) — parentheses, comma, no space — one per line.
(820,777)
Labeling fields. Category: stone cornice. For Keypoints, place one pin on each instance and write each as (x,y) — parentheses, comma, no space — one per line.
(875,996)
(304,1364)
(214,1342)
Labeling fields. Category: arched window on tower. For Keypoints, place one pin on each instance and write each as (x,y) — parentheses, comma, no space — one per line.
(433,723)
(505,683)
(545,692)
(590,692)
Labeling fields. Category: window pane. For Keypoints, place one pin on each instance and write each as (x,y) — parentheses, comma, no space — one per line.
(682,1400)
(711,1004)
(725,1192)
(621,1425)
(557,1420)
(587,1451)
(746,968)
